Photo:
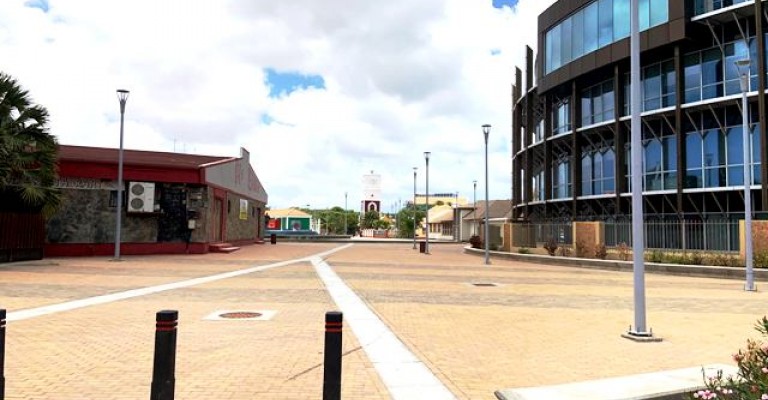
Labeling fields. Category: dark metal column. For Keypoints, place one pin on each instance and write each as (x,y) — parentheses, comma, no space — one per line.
(547,154)
(516,137)
(679,78)
(761,103)
(529,127)
(620,181)
(575,149)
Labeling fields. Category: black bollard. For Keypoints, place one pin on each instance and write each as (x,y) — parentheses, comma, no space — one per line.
(273,238)
(2,353)
(332,358)
(163,375)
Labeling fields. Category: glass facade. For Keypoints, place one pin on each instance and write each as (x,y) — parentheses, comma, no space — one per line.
(659,157)
(712,73)
(561,117)
(705,6)
(597,104)
(598,171)
(597,25)
(714,154)
(561,179)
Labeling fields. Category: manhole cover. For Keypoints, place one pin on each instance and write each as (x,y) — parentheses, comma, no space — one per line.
(484,284)
(240,315)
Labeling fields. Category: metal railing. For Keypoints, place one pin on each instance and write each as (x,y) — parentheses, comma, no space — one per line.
(701,235)
(705,235)
(529,234)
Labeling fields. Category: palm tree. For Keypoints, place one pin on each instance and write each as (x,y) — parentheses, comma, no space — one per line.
(27,151)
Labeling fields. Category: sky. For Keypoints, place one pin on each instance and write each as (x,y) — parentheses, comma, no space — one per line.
(319,92)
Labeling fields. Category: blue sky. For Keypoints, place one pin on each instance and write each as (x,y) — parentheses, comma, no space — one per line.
(285,83)
(41,4)
(502,3)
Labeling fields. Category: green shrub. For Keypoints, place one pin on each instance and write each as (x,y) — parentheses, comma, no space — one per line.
(655,256)
(697,258)
(676,258)
(475,242)
(524,250)
(721,259)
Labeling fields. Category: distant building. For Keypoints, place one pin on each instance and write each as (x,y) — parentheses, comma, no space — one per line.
(172,202)
(444,198)
(289,219)
(371,193)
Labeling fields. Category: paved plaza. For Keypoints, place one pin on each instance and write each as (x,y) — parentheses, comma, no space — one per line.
(541,325)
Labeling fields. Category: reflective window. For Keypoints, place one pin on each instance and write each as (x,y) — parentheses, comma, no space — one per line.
(599,24)
(578,40)
(715,157)
(561,179)
(705,6)
(590,29)
(658,85)
(605,22)
(597,103)
(659,12)
(598,172)
(586,174)
(561,117)
(621,19)
(644,14)
(652,162)
(692,72)
(567,37)
(609,171)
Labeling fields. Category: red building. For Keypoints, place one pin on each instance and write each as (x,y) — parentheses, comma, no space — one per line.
(172,202)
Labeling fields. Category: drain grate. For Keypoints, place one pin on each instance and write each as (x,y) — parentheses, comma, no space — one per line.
(241,315)
(485,284)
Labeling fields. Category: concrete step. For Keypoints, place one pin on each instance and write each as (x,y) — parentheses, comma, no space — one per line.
(222,248)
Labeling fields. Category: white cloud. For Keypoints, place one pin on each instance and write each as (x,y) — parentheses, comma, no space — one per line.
(401,77)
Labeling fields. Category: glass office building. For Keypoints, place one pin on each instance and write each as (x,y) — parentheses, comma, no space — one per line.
(571,102)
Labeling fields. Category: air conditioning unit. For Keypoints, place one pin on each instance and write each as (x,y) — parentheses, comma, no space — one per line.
(141,197)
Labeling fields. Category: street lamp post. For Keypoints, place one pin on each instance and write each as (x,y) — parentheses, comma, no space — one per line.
(426,244)
(456,225)
(474,206)
(486,131)
(743,66)
(639,331)
(345,214)
(414,207)
(122,97)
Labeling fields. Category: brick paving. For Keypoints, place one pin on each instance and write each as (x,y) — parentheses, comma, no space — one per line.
(541,325)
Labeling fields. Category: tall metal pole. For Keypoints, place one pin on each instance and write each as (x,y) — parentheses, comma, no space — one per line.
(426,245)
(122,97)
(743,65)
(414,207)
(638,245)
(486,131)
(345,213)
(456,225)
(474,207)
